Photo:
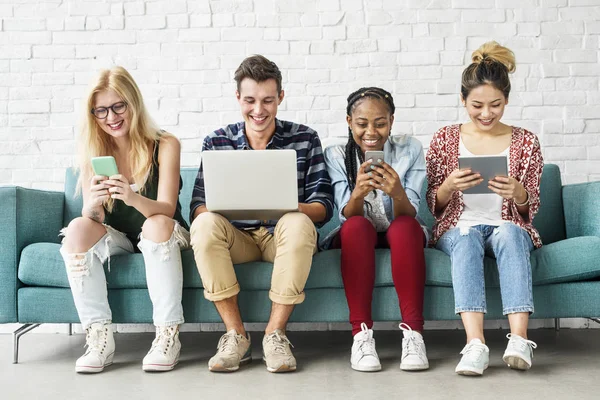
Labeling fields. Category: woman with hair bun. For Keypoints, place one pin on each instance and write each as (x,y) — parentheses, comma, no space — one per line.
(498,223)
(377,209)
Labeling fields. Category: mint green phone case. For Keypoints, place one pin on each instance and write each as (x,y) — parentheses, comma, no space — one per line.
(105,166)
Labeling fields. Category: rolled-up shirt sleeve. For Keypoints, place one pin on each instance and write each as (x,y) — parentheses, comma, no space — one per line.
(414,179)
(198,198)
(339,181)
(317,184)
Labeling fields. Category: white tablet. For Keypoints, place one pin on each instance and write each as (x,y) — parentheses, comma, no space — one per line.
(488,166)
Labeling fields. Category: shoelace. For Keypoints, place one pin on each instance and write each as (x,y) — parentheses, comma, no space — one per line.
(366,343)
(94,340)
(228,343)
(411,344)
(162,341)
(278,342)
(473,351)
(520,343)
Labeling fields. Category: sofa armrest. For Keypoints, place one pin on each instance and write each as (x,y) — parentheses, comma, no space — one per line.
(26,216)
(581,204)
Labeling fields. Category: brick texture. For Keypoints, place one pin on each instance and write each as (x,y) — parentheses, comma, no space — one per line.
(183,54)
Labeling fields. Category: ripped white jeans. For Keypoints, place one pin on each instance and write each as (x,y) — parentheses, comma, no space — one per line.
(164,275)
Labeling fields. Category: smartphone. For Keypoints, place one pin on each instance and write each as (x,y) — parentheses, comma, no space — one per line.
(373,155)
(105,166)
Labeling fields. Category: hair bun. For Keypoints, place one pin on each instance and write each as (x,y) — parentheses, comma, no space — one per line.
(494,52)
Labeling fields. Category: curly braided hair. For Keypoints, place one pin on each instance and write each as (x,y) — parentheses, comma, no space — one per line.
(352,149)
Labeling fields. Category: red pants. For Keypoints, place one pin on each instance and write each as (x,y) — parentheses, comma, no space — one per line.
(358,241)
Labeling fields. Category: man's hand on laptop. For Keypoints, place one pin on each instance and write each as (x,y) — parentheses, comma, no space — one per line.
(200,210)
(315,211)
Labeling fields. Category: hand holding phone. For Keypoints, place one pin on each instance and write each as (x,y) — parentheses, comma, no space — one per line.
(375,156)
(364,179)
(98,192)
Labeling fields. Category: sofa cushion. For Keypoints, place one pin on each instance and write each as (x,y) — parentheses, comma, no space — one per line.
(569,260)
(565,261)
(127,271)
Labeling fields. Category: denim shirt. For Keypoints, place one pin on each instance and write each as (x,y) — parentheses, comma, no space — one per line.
(405,155)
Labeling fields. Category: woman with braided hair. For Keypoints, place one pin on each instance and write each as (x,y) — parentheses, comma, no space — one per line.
(377,209)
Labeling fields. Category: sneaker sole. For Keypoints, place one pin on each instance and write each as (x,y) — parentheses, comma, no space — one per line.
(160,367)
(282,369)
(409,367)
(471,372)
(220,368)
(516,362)
(89,369)
(374,368)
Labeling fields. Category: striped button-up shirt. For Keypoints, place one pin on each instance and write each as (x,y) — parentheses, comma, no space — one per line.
(314,184)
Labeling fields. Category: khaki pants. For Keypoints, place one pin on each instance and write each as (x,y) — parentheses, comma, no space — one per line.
(218,245)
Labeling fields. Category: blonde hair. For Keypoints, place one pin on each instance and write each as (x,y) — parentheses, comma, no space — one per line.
(491,65)
(143,132)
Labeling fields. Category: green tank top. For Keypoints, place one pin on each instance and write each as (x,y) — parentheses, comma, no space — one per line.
(127,219)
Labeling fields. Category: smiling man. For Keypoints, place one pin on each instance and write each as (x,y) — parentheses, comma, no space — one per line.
(289,242)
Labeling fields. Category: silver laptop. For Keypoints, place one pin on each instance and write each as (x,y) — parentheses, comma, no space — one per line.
(250,184)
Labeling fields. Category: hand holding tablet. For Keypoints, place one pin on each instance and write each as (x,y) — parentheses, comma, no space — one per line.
(487,168)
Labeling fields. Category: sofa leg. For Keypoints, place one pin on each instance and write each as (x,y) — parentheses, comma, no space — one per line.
(17,335)
(70,329)
(597,320)
(557,324)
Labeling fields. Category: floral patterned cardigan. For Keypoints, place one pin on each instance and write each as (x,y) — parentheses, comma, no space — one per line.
(525,165)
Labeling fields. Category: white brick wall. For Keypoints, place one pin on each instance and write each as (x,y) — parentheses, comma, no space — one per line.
(183,54)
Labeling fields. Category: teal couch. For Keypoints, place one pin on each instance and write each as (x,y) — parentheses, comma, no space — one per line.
(34,287)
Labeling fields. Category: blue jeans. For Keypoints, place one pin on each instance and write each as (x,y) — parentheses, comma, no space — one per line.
(511,246)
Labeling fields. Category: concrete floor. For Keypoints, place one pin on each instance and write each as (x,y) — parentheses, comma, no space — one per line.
(566,366)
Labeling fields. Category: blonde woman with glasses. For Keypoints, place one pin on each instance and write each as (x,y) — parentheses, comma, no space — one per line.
(135,210)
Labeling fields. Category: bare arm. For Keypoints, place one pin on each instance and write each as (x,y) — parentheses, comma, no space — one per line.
(458,180)
(315,211)
(95,192)
(402,206)
(364,184)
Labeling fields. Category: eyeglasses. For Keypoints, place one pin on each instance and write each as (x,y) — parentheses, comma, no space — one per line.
(102,112)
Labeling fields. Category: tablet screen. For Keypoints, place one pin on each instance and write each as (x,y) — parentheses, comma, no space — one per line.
(488,166)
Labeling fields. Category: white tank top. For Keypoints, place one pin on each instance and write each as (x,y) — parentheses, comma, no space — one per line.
(480,209)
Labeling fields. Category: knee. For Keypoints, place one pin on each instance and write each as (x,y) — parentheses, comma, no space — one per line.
(357,222)
(405,225)
(204,224)
(466,238)
(80,226)
(507,232)
(511,235)
(158,228)
(296,223)
(82,232)
(358,228)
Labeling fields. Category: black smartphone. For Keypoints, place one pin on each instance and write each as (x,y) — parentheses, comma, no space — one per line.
(374,156)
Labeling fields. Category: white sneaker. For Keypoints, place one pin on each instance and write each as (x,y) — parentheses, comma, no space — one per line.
(519,352)
(164,353)
(100,349)
(414,353)
(364,356)
(475,359)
